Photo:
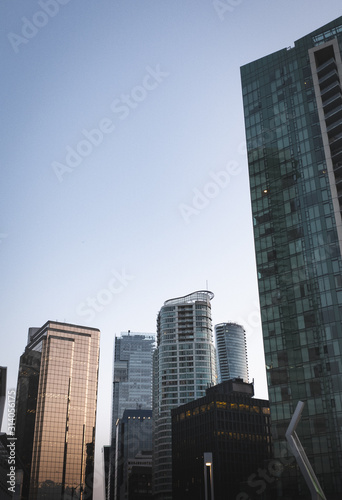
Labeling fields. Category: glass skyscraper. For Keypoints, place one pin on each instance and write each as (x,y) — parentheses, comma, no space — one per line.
(293,117)
(134,434)
(231,351)
(183,367)
(56,411)
(132,388)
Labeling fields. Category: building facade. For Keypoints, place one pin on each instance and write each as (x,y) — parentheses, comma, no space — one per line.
(132,389)
(56,411)
(293,117)
(183,367)
(231,348)
(134,449)
(234,428)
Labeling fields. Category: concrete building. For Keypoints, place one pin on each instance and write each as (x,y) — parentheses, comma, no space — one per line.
(231,348)
(183,367)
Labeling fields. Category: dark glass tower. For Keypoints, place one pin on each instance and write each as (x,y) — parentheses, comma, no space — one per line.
(232,425)
(132,390)
(134,439)
(293,118)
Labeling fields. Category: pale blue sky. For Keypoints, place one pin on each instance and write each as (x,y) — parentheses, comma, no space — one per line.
(139,220)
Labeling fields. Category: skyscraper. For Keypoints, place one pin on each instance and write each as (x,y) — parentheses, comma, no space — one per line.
(231,425)
(132,389)
(183,367)
(134,434)
(231,351)
(293,117)
(56,411)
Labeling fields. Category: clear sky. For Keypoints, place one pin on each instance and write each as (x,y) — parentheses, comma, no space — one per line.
(124,174)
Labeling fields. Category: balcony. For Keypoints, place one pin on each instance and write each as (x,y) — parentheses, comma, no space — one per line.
(332,101)
(337,125)
(326,66)
(332,113)
(328,78)
(329,91)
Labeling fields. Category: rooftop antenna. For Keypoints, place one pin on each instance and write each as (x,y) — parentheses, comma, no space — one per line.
(207,284)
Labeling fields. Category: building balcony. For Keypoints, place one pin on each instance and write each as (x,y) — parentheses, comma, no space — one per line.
(332,113)
(329,91)
(336,126)
(332,102)
(328,78)
(326,66)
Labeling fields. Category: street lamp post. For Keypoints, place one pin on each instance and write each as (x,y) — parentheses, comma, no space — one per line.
(208,476)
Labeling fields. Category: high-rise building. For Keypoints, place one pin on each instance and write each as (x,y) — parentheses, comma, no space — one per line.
(183,367)
(56,411)
(231,349)
(134,448)
(293,117)
(231,425)
(132,389)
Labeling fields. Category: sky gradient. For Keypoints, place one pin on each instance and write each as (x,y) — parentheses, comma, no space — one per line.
(124,173)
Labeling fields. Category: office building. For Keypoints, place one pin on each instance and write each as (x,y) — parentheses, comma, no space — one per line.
(134,450)
(231,349)
(56,411)
(26,404)
(183,367)
(234,428)
(132,388)
(106,461)
(293,117)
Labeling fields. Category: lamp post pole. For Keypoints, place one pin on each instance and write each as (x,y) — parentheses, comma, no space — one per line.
(208,476)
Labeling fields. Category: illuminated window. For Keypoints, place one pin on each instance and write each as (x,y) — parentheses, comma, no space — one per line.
(221,404)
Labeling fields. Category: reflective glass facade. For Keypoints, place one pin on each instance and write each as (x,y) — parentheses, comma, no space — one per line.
(293,118)
(231,351)
(183,367)
(134,433)
(26,404)
(65,359)
(132,388)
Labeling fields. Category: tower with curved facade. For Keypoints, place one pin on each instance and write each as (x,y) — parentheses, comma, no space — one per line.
(184,366)
(231,351)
